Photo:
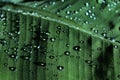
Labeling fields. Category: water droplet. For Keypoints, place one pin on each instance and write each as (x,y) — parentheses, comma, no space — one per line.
(115,46)
(12,68)
(93,7)
(88,61)
(12,55)
(87,4)
(52,39)
(89,11)
(3,41)
(77,48)
(38,46)
(68,12)
(86,22)
(51,57)
(67,45)
(67,53)
(43,64)
(58,31)
(53,3)
(96,31)
(76,12)
(94,66)
(62,0)
(5,64)
(59,27)
(104,34)
(86,13)
(112,39)
(93,14)
(25,57)
(7,51)
(60,68)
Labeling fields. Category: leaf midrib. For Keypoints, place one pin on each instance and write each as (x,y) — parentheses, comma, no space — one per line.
(51,17)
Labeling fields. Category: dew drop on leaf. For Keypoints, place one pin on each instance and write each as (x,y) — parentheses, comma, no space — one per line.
(94,66)
(96,31)
(88,61)
(52,39)
(62,0)
(87,4)
(104,34)
(43,64)
(67,45)
(59,27)
(12,55)
(5,64)
(77,48)
(25,57)
(115,46)
(58,31)
(68,12)
(51,57)
(60,68)
(12,68)
(67,53)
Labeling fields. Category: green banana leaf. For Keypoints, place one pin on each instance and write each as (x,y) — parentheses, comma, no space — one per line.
(60,40)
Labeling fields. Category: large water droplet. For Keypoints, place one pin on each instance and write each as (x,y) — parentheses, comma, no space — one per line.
(67,53)
(115,46)
(62,0)
(52,39)
(87,4)
(42,64)
(12,68)
(104,34)
(68,12)
(96,31)
(59,27)
(88,61)
(12,55)
(77,48)
(60,68)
